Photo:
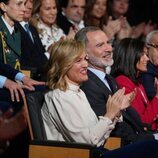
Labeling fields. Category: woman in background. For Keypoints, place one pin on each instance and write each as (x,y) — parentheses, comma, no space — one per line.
(130,58)
(44,19)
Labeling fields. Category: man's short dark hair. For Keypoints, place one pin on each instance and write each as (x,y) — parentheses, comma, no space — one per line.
(81,35)
(63,3)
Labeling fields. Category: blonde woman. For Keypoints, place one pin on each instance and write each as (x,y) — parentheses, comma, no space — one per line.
(44,19)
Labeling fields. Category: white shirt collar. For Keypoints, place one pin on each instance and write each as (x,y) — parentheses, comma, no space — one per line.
(80,25)
(98,73)
(23,23)
(101,75)
(11,29)
(73,87)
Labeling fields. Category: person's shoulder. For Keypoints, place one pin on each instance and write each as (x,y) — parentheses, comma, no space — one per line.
(55,93)
(122,79)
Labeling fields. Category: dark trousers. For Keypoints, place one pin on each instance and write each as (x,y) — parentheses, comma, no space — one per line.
(144,149)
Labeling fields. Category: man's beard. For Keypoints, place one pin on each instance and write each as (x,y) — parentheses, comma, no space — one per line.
(100,63)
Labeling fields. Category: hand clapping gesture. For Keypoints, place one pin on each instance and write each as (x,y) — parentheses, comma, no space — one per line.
(119,101)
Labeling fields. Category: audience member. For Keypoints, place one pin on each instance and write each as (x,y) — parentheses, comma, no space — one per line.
(119,8)
(12,93)
(96,15)
(70,16)
(149,78)
(8,76)
(98,87)
(130,58)
(33,56)
(67,69)
(44,19)
(10,41)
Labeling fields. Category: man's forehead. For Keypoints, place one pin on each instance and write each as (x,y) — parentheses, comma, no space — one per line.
(96,36)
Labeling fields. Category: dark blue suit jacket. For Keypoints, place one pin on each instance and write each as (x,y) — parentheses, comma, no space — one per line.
(148,80)
(32,55)
(8,71)
(63,23)
(5,99)
(131,129)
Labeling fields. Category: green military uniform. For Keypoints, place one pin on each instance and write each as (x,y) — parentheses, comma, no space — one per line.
(10,45)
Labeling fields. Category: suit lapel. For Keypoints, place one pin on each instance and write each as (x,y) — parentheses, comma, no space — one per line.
(100,84)
(13,43)
(26,36)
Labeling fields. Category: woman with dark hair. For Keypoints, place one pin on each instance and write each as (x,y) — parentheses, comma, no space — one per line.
(130,58)
(96,15)
(117,8)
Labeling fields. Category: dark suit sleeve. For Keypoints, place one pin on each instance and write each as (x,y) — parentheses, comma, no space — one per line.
(148,82)
(8,71)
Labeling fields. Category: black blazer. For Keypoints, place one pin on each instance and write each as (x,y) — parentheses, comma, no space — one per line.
(131,129)
(32,55)
(63,23)
(97,93)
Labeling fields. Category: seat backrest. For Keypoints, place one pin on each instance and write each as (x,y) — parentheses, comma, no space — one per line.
(34,102)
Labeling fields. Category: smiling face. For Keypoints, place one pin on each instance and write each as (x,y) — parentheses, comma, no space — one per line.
(78,71)
(99,50)
(142,63)
(99,8)
(48,12)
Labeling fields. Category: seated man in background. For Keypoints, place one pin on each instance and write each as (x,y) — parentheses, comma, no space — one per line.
(33,53)
(71,15)
(149,78)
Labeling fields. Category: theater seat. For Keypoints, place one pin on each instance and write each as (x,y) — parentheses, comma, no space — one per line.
(40,147)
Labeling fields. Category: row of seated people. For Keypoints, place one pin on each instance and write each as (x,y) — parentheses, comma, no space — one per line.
(92,99)
(25,45)
(106,122)
(136,131)
(29,55)
(109,15)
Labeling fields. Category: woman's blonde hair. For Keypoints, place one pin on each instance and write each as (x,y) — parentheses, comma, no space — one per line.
(35,13)
(63,54)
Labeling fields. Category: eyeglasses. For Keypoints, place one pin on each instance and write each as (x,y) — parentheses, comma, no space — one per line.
(153,45)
